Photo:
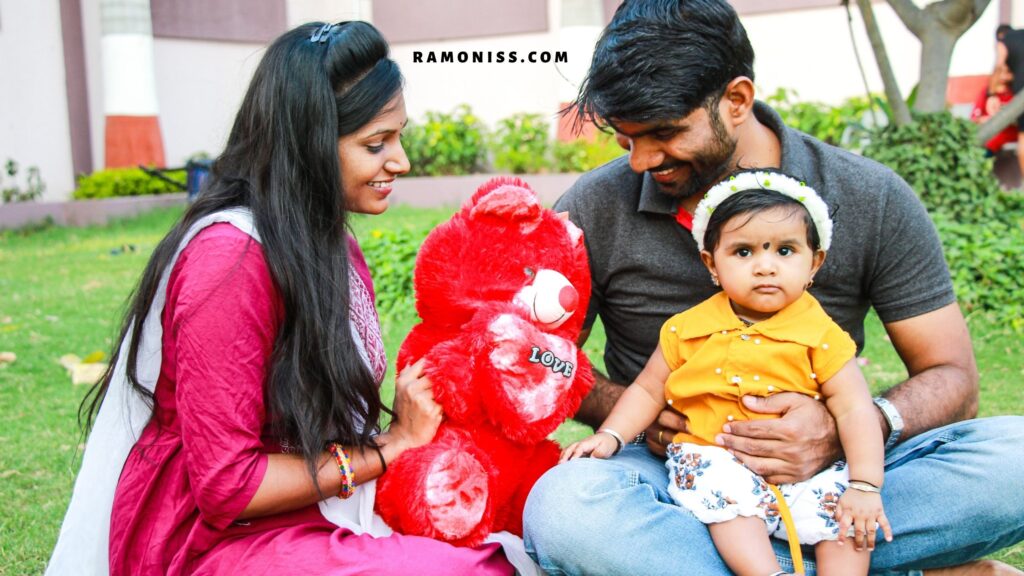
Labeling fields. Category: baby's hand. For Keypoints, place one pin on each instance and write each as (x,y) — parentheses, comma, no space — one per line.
(862,510)
(596,446)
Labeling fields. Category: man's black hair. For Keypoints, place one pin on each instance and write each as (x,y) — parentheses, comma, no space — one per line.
(659,60)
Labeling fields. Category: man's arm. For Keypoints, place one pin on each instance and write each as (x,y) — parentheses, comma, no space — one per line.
(599,402)
(602,397)
(943,383)
(942,388)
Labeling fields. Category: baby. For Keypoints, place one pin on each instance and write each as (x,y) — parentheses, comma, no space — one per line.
(762,236)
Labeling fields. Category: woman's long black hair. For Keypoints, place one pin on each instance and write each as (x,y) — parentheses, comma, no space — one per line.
(314,85)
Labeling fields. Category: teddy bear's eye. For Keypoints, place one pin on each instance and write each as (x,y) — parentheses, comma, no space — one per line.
(529,271)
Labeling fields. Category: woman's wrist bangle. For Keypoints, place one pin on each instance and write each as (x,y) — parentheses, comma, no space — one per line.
(348,477)
(618,439)
(864,486)
(383,462)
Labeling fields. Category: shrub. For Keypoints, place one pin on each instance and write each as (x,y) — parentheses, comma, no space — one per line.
(938,156)
(520,144)
(838,125)
(980,226)
(987,263)
(391,255)
(117,182)
(11,191)
(445,144)
(582,155)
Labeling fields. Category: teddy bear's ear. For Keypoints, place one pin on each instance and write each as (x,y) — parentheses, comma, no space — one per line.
(506,198)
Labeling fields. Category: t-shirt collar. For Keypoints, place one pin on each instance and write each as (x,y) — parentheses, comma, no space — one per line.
(797,322)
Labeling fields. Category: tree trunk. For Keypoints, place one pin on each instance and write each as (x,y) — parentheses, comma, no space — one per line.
(936,52)
(1007,115)
(900,111)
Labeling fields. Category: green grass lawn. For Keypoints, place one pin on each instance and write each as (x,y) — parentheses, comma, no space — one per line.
(62,291)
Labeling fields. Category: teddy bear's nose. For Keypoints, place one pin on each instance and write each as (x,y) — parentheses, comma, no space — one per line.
(568,299)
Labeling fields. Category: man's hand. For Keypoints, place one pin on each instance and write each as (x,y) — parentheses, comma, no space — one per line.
(659,434)
(792,448)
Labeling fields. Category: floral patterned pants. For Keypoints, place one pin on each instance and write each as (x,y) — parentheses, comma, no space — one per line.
(716,487)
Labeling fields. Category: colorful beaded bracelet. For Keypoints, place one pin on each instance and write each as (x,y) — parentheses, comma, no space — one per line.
(348,477)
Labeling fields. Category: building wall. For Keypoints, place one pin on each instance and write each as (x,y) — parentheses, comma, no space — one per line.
(498,90)
(34,129)
(800,44)
(201,81)
(807,49)
(811,51)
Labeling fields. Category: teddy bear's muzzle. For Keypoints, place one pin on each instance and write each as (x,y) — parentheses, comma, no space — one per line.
(550,298)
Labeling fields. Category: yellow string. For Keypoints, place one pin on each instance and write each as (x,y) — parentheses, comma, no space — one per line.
(794,541)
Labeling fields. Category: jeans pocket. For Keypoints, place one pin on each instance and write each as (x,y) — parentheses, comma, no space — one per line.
(919,446)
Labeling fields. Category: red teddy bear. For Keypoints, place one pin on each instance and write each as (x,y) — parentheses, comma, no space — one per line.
(502,289)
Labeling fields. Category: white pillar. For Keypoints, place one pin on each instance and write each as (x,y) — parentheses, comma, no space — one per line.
(132,135)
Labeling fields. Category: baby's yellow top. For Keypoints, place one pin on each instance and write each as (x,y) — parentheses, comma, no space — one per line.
(716,358)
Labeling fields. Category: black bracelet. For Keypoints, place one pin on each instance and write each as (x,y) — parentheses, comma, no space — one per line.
(383,463)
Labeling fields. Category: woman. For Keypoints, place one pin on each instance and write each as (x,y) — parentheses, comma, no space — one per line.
(261,358)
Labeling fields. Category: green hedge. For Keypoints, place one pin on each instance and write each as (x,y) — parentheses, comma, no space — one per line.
(520,145)
(115,182)
(446,144)
(583,155)
(980,225)
(841,125)
(391,254)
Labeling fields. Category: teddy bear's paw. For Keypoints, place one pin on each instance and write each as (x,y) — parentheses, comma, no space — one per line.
(457,491)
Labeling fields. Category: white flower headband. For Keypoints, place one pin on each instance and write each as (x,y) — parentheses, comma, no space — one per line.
(774,181)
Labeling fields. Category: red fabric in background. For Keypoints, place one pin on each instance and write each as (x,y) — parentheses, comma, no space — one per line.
(978,114)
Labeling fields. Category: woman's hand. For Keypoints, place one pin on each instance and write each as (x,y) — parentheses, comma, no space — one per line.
(598,445)
(861,510)
(416,414)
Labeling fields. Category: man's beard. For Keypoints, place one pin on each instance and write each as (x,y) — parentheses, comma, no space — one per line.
(708,166)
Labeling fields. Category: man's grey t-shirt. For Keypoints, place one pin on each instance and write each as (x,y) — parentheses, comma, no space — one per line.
(645,266)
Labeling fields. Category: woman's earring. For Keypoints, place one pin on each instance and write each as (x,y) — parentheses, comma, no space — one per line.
(714,280)
(809,283)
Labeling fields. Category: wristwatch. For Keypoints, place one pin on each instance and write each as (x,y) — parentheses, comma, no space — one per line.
(892,416)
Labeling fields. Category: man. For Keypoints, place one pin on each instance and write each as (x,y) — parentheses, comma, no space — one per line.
(674,78)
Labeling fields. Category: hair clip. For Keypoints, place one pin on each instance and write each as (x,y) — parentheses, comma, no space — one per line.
(322,33)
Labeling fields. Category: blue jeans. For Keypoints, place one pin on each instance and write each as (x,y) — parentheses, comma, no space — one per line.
(952,495)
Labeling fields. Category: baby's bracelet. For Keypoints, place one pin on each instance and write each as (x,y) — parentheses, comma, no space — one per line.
(619,442)
(864,486)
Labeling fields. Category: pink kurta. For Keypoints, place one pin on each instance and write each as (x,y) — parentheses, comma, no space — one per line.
(186,480)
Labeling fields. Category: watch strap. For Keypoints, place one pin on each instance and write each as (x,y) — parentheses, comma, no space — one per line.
(893,418)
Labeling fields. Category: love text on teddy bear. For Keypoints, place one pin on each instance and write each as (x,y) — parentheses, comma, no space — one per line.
(549,360)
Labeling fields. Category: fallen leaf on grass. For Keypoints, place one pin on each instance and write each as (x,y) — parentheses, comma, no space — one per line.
(7,358)
(84,371)
(9,473)
(68,361)
(87,373)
